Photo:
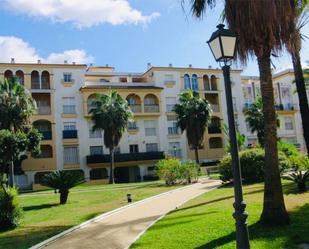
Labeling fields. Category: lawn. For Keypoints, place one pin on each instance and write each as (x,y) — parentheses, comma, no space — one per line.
(43,217)
(206,223)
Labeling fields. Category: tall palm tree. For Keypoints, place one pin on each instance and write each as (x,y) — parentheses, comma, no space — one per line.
(262,27)
(193,116)
(255,118)
(110,113)
(294,47)
(16,107)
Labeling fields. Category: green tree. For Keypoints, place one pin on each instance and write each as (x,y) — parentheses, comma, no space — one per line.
(262,27)
(241,139)
(62,181)
(294,47)
(110,113)
(16,107)
(193,116)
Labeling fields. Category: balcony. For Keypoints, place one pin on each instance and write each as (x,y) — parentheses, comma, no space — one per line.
(136,108)
(151,108)
(38,86)
(43,110)
(214,130)
(286,107)
(68,134)
(47,135)
(170,107)
(143,156)
(173,131)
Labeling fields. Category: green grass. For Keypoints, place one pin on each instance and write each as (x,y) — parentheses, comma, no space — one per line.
(206,223)
(43,217)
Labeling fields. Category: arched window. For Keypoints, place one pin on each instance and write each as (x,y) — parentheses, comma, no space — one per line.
(206,83)
(45,81)
(214,126)
(215,143)
(45,128)
(134,102)
(35,80)
(8,74)
(20,76)
(151,103)
(213,81)
(90,99)
(187,81)
(194,82)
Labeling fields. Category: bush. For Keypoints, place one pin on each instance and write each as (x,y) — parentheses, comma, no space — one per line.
(169,170)
(189,171)
(10,211)
(288,149)
(252,163)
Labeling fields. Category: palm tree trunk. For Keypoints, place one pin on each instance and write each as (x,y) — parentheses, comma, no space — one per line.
(274,211)
(196,155)
(11,175)
(302,96)
(111,169)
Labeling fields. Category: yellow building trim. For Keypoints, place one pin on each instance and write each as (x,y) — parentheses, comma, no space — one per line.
(121,164)
(70,141)
(69,115)
(67,84)
(39,164)
(71,166)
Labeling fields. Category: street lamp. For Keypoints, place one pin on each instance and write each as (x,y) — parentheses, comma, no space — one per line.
(223,46)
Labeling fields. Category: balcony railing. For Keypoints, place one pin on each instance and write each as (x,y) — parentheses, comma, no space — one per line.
(95,134)
(67,134)
(175,153)
(47,135)
(215,107)
(136,108)
(142,156)
(43,110)
(214,130)
(286,107)
(37,85)
(151,108)
(173,131)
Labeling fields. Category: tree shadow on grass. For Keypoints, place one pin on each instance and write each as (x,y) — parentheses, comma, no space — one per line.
(38,207)
(217,200)
(25,237)
(293,234)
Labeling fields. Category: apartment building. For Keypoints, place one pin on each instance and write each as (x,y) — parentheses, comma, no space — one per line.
(64,93)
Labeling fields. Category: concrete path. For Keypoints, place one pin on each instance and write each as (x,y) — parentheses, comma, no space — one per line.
(120,229)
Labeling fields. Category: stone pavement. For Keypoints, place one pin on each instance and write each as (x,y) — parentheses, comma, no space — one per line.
(120,229)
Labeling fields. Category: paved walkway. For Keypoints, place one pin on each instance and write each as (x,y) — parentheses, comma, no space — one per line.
(122,228)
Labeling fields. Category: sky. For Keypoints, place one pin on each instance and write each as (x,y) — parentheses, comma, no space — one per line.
(125,34)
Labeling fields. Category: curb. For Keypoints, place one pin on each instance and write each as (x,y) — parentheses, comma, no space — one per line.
(100,217)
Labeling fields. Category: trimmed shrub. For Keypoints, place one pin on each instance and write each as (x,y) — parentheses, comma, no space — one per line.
(252,163)
(189,171)
(288,149)
(169,170)
(10,211)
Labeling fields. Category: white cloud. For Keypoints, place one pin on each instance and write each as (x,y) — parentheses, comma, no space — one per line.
(81,13)
(14,47)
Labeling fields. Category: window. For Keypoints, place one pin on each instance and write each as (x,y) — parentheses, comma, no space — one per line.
(187,81)
(152,147)
(133,148)
(291,140)
(150,128)
(67,77)
(96,174)
(206,82)
(117,150)
(194,82)
(215,143)
(132,125)
(70,155)
(172,126)
(174,149)
(69,126)
(288,123)
(94,134)
(96,150)
(68,105)
(46,152)
(104,80)
(170,103)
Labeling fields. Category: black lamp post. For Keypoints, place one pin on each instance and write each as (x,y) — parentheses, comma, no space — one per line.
(223,46)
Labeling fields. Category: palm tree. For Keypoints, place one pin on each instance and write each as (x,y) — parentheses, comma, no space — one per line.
(262,27)
(294,47)
(16,107)
(110,113)
(193,116)
(255,118)
(62,181)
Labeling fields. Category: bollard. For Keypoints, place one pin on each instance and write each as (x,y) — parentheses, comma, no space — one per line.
(129,198)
